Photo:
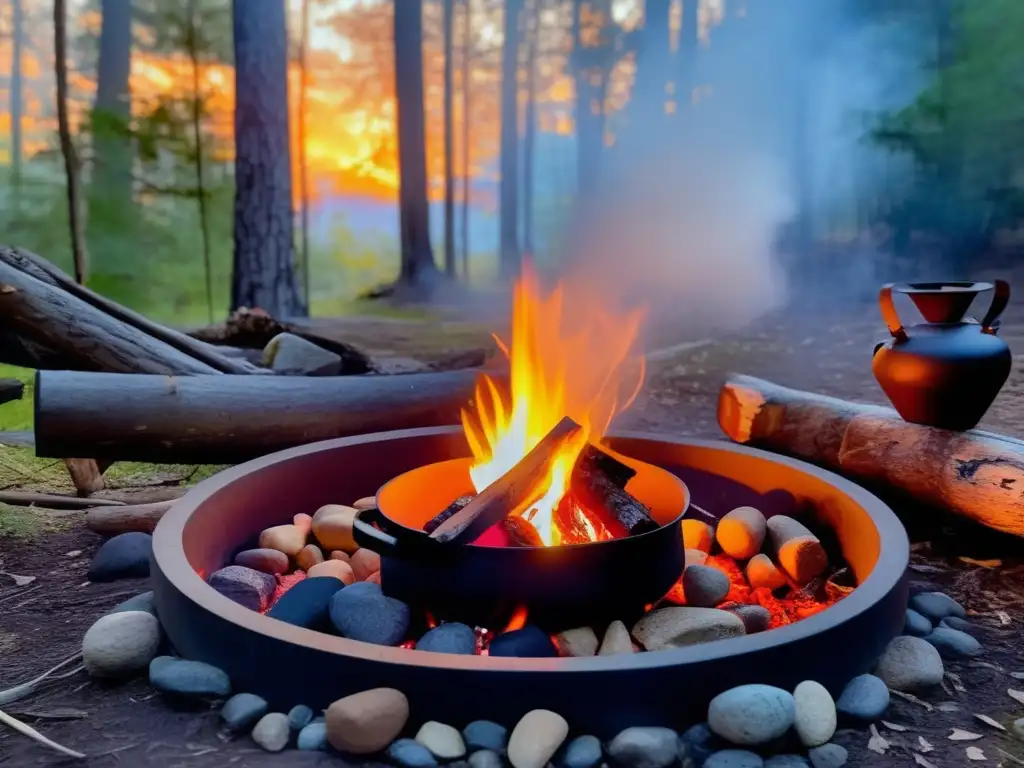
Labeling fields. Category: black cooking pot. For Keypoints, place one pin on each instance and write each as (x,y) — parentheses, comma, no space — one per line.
(560,587)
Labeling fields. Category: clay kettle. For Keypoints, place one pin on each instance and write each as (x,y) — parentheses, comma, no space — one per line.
(946,371)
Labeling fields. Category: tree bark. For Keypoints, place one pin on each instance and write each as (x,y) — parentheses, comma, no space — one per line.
(111,184)
(264,254)
(111,520)
(71,169)
(530,128)
(467,94)
(192,44)
(591,64)
(417,267)
(301,130)
(10,390)
(975,474)
(227,419)
(449,144)
(509,254)
(17,38)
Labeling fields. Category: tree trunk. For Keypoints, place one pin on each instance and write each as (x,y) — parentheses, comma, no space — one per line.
(418,267)
(111,183)
(530,129)
(74,192)
(591,65)
(467,92)
(17,37)
(197,136)
(975,474)
(509,255)
(264,257)
(301,130)
(449,127)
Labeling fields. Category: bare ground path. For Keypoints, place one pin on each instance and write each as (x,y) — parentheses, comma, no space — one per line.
(128,725)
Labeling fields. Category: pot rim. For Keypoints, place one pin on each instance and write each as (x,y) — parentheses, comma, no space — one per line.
(175,572)
(943,286)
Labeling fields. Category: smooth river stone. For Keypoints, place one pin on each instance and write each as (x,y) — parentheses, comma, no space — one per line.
(786,761)
(910,664)
(265,560)
(272,732)
(142,602)
(581,752)
(741,532)
(304,523)
(289,539)
(365,563)
(484,734)
(309,556)
(536,738)
(751,715)
(678,627)
(763,573)
(644,748)
(335,569)
(815,721)
(864,698)
(694,557)
(120,644)
(451,637)
(697,535)
(798,551)
(362,612)
(247,587)
(704,586)
(366,722)
(442,740)
(409,753)
(734,758)
(916,624)
(306,604)
(332,526)
(937,606)
(188,679)
(954,644)
(755,618)
(529,642)
(616,640)
(243,710)
(367,502)
(576,642)
(828,756)
(125,556)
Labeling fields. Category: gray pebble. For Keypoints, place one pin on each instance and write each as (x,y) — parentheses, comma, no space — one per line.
(483,734)
(409,753)
(188,679)
(247,587)
(734,758)
(242,711)
(449,638)
(485,758)
(786,761)
(644,748)
(272,732)
(143,602)
(313,737)
(700,742)
(937,606)
(916,624)
(299,717)
(752,714)
(910,664)
(864,698)
(362,612)
(954,644)
(755,618)
(704,586)
(581,752)
(828,756)
(954,622)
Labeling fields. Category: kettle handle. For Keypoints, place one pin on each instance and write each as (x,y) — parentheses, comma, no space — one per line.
(1000,298)
(889,315)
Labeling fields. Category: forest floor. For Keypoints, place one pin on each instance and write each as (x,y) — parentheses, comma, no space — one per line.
(129,725)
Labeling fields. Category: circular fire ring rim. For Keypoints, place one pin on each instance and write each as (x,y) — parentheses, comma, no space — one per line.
(172,566)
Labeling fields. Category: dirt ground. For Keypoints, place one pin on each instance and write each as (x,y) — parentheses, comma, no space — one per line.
(42,623)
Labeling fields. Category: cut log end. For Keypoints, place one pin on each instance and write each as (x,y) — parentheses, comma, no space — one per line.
(738,407)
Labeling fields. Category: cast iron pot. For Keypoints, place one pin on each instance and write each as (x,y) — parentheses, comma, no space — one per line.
(561,587)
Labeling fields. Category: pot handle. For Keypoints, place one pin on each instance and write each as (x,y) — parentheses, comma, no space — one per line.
(1000,298)
(889,316)
(409,547)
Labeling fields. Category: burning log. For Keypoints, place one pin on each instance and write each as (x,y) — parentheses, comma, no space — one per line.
(598,484)
(518,532)
(451,509)
(976,474)
(508,493)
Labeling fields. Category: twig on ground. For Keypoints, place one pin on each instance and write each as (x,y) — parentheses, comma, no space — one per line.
(21,691)
(32,733)
(53,500)
(20,593)
(912,699)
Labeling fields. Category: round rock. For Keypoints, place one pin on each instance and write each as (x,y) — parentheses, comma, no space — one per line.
(332,526)
(299,717)
(362,612)
(751,714)
(910,664)
(366,722)
(644,748)
(916,624)
(954,644)
(763,573)
(483,734)
(333,568)
(442,740)
(124,556)
(289,539)
(313,738)
(143,602)
(536,738)
(734,758)
(576,642)
(409,753)
(304,523)
(121,644)
(799,552)
(694,557)
(247,587)
(367,502)
(242,711)
(306,604)
(828,756)
(697,535)
(266,560)
(700,742)
(704,586)
(755,618)
(786,761)
(309,556)
(937,606)
(678,627)
(365,563)
(815,720)
(188,679)
(616,640)
(741,532)
(529,642)
(449,638)
(951,622)
(485,758)
(272,732)
(581,752)
(864,698)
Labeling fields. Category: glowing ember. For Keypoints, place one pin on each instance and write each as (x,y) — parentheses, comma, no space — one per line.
(562,364)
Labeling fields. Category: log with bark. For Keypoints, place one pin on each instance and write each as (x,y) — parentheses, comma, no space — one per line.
(598,484)
(110,520)
(11,389)
(976,474)
(227,419)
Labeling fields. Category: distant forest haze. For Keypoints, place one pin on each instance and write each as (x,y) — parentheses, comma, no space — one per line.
(707,157)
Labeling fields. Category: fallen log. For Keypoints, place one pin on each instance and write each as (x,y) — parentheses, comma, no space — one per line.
(110,521)
(976,474)
(228,419)
(10,390)
(53,500)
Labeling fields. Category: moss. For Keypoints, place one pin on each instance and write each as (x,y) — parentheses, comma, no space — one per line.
(27,523)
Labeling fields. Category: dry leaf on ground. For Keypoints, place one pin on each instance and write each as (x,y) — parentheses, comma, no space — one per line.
(973,753)
(923,761)
(894,726)
(1017,675)
(989,721)
(923,745)
(1017,696)
(876,743)
(947,706)
(959,734)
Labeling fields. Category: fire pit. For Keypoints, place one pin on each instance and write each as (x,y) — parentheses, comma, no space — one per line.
(290,665)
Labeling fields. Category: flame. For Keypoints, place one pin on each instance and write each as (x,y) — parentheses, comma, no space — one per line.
(570,355)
